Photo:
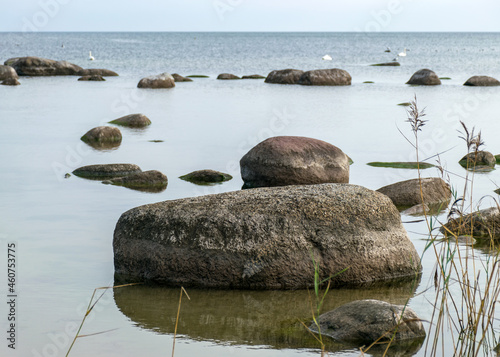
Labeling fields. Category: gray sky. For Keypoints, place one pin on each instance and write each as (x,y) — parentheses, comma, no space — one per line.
(250,15)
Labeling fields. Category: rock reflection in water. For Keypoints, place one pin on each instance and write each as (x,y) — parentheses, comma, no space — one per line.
(268,318)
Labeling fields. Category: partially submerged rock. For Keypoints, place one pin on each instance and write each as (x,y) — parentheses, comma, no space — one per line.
(10,82)
(7,72)
(481,224)
(148,181)
(264,238)
(253,76)
(103,137)
(197,76)
(94,77)
(480,158)
(402,165)
(179,78)
(482,81)
(36,66)
(325,77)
(106,171)
(424,77)
(163,80)
(284,76)
(97,72)
(366,321)
(293,160)
(132,121)
(206,177)
(227,76)
(407,193)
(387,64)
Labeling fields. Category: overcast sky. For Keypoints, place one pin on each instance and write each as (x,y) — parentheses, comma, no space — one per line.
(250,15)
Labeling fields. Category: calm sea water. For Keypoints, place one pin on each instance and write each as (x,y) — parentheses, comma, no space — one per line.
(64,227)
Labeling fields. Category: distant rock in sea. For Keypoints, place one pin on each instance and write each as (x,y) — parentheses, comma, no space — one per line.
(284,76)
(425,77)
(163,80)
(482,81)
(36,66)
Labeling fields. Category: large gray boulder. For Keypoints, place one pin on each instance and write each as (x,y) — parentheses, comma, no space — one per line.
(264,238)
(163,80)
(482,81)
(97,72)
(36,66)
(325,77)
(424,77)
(366,321)
(407,193)
(7,72)
(284,76)
(293,160)
(106,171)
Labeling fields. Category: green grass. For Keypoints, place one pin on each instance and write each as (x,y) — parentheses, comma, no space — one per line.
(445,78)
(198,76)
(401,165)
(368,82)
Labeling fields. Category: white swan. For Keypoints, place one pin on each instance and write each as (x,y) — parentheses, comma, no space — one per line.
(326,58)
(91,58)
(402,54)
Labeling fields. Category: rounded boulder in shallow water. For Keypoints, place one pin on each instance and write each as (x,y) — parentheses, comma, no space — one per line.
(407,193)
(132,121)
(179,78)
(103,136)
(253,76)
(293,160)
(425,77)
(482,224)
(10,82)
(365,321)
(264,238)
(284,76)
(94,77)
(163,80)
(7,72)
(325,77)
(480,158)
(106,171)
(206,176)
(482,81)
(227,76)
(148,181)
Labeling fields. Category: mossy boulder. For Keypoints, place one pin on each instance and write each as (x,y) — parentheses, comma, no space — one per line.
(132,121)
(480,158)
(401,165)
(147,181)
(482,81)
(424,77)
(106,171)
(204,177)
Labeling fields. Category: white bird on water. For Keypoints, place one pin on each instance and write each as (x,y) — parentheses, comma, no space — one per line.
(402,54)
(327,58)
(91,58)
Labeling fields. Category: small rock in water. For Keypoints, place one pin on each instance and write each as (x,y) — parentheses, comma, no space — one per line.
(424,77)
(253,76)
(132,121)
(227,76)
(94,77)
(206,177)
(179,78)
(163,80)
(147,181)
(103,137)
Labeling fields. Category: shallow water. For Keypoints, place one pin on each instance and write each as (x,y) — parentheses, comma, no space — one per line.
(64,227)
